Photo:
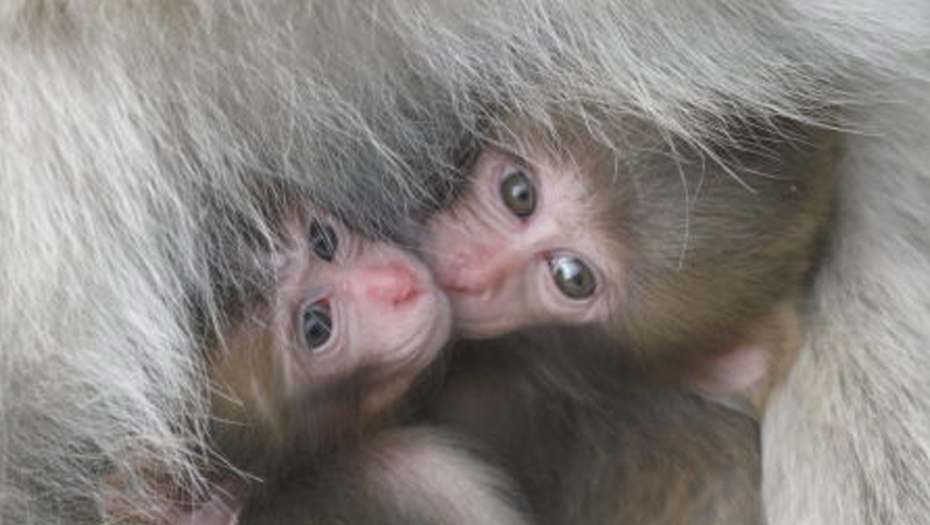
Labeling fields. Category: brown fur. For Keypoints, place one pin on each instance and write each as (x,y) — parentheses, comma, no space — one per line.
(591,441)
(710,239)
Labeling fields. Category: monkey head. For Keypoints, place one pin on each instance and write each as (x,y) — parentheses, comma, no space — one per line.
(346,329)
(654,245)
(518,249)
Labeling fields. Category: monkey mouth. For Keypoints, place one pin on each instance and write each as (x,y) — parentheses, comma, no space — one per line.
(456,289)
(464,291)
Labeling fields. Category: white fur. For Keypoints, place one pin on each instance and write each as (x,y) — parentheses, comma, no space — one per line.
(130,131)
(847,440)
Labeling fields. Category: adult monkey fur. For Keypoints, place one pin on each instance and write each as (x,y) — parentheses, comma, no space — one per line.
(138,137)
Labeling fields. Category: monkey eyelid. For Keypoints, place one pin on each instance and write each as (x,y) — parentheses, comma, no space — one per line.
(510,158)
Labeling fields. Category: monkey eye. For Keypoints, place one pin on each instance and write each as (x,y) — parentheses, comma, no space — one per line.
(518,193)
(572,276)
(323,240)
(317,324)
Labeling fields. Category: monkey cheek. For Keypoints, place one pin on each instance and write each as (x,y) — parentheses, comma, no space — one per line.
(455,258)
(432,246)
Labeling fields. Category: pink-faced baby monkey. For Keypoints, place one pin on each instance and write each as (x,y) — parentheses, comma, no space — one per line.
(348,327)
(303,383)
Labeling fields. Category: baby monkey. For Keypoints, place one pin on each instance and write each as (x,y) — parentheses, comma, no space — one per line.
(667,250)
(666,267)
(349,325)
(302,386)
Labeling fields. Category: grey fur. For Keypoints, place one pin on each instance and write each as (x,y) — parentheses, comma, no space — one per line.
(139,141)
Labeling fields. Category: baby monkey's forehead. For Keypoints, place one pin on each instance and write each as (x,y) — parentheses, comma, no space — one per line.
(575,184)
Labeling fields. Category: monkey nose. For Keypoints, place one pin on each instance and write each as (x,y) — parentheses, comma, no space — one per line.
(471,274)
(394,283)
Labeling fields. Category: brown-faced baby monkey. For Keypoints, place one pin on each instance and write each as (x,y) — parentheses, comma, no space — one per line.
(666,251)
(677,269)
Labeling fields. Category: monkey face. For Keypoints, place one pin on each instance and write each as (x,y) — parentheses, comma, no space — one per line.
(344,308)
(519,249)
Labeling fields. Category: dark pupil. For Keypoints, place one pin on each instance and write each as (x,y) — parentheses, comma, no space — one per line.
(317,325)
(519,194)
(573,277)
(323,240)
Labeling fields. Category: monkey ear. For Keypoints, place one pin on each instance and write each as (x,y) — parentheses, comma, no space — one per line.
(735,378)
(224,507)
(213,512)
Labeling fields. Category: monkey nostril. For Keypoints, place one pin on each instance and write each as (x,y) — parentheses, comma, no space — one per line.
(407,294)
(407,286)
(394,283)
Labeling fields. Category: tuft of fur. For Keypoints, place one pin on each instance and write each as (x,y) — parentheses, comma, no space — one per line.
(408,476)
(143,143)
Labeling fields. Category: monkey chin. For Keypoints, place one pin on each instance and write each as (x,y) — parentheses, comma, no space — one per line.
(435,310)
(416,353)
(420,331)
(427,341)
